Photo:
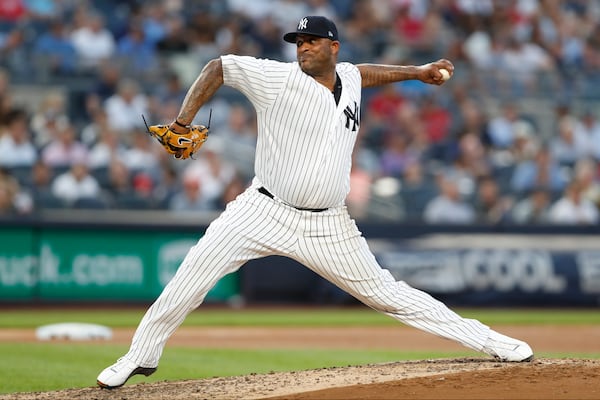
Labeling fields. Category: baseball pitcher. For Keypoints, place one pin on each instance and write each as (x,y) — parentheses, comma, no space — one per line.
(308,119)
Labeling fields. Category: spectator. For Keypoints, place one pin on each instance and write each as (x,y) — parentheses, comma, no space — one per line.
(435,119)
(491,206)
(125,108)
(569,145)
(420,27)
(470,163)
(408,123)
(171,90)
(585,172)
(385,103)
(417,190)
(143,186)
(13,200)
(573,208)
(175,39)
(167,186)
(7,195)
(479,48)
(93,42)
(49,117)
(107,150)
(91,132)
(591,58)
(40,182)
(165,111)
(13,10)
(6,103)
(143,155)
(471,14)
(533,208)
(543,171)
(501,128)
(16,147)
(153,20)
(217,109)
(136,52)
(364,35)
(267,37)
(43,11)
(467,116)
(322,7)
(64,149)
(75,184)
(397,155)
(105,85)
(448,207)
(239,138)
(568,42)
(202,39)
(14,54)
(286,13)
(191,197)
(381,108)
(230,36)
(54,51)
(590,128)
(119,180)
(522,63)
(525,145)
(213,172)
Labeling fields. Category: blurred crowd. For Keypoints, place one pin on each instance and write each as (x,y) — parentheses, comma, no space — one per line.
(512,138)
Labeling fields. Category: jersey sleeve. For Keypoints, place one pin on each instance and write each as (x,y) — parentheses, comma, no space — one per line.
(260,80)
(350,71)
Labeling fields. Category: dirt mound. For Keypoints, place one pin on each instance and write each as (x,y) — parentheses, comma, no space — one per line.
(471,378)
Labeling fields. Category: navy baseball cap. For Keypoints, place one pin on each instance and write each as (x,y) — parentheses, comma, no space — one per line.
(313,25)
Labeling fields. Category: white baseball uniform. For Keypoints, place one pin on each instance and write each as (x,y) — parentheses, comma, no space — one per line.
(303,159)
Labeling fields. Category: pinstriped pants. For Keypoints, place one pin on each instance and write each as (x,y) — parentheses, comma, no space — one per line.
(328,242)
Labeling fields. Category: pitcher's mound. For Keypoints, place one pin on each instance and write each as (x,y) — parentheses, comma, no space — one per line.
(470,378)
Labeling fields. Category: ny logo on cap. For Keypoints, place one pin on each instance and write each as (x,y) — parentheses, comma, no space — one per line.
(302,24)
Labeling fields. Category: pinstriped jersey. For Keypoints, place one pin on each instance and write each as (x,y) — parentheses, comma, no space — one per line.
(305,140)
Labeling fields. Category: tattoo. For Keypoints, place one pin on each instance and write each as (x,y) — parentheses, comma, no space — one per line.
(379,74)
(203,88)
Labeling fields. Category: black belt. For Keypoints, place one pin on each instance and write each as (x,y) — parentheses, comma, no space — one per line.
(268,194)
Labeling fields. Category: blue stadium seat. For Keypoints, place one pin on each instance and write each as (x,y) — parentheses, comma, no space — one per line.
(93,203)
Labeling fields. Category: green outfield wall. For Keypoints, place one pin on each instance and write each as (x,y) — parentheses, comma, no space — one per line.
(70,263)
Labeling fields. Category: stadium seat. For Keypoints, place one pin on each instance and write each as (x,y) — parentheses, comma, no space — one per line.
(133,202)
(46,200)
(94,203)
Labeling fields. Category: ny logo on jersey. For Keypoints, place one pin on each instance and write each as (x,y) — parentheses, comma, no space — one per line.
(352,115)
(302,24)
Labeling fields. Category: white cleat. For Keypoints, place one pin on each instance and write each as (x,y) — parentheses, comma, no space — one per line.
(117,374)
(505,348)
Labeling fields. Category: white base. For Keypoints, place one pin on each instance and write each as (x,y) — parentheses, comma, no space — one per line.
(73,331)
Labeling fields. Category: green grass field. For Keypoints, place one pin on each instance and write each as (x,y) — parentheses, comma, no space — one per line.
(28,367)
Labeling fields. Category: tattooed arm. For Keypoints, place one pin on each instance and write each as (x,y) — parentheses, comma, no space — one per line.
(203,88)
(380,74)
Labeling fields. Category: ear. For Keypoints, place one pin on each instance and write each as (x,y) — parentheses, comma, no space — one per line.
(335,47)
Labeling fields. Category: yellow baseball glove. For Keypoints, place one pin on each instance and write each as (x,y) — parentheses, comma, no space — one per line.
(180,140)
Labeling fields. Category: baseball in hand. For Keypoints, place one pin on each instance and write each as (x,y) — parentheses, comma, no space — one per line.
(445,74)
